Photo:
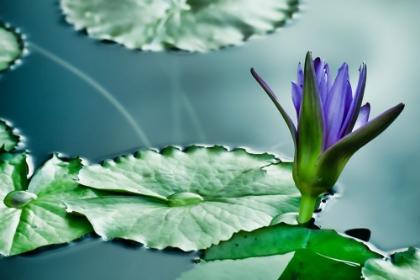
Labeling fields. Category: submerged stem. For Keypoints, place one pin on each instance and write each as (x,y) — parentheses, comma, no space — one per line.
(307,207)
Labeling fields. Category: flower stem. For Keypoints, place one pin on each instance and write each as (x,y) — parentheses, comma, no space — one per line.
(307,207)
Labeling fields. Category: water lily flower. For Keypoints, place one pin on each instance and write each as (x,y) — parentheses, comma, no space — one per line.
(332,125)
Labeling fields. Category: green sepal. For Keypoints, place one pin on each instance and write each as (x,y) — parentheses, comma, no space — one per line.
(273,98)
(310,130)
(333,160)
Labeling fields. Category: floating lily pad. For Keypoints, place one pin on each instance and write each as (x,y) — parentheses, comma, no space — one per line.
(10,47)
(192,25)
(283,238)
(196,197)
(8,140)
(403,265)
(34,216)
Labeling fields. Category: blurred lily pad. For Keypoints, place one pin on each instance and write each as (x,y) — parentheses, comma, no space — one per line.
(10,47)
(8,140)
(191,25)
(187,199)
(33,215)
(403,265)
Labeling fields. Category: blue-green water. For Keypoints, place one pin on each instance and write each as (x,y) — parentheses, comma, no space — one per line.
(78,96)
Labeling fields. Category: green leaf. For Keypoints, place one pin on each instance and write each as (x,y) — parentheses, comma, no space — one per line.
(302,264)
(193,25)
(34,216)
(265,268)
(405,265)
(197,197)
(307,264)
(283,238)
(10,47)
(7,139)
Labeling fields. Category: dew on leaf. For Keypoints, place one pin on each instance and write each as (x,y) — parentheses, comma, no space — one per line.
(193,25)
(184,199)
(18,199)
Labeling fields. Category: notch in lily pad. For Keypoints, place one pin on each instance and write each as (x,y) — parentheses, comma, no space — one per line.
(11,46)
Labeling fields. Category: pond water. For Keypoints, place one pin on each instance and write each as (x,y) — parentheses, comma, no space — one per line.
(78,96)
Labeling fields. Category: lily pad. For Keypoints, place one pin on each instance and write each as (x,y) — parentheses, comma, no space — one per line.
(307,264)
(403,265)
(10,47)
(187,199)
(34,216)
(283,238)
(8,140)
(192,25)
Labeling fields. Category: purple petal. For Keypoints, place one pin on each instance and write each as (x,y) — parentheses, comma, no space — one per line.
(329,80)
(325,84)
(335,106)
(363,117)
(296,97)
(323,89)
(348,99)
(273,98)
(300,75)
(319,70)
(351,117)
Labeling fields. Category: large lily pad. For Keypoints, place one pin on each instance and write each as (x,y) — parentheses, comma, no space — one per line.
(8,140)
(192,25)
(283,238)
(10,47)
(403,265)
(195,198)
(34,216)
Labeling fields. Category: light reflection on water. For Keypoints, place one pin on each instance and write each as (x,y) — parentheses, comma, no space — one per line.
(181,99)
